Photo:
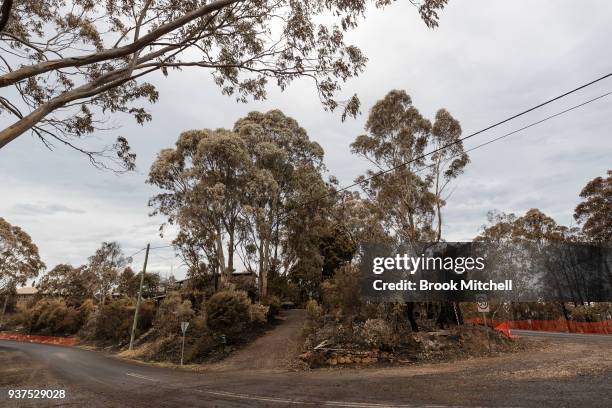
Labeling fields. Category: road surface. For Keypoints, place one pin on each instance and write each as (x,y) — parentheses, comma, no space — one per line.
(563,335)
(564,372)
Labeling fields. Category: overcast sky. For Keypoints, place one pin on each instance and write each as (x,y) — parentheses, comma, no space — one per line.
(486,61)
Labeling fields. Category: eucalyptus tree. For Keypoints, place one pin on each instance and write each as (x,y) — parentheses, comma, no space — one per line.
(236,194)
(69,63)
(283,194)
(105,265)
(396,138)
(594,213)
(69,282)
(19,259)
(407,184)
(448,160)
(203,179)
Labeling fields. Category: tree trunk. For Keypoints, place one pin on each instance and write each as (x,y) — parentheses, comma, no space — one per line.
(221,260)
(410,315)
(6,296)
(438,206)
(5,13)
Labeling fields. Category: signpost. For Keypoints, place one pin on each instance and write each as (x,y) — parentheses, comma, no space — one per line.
(184,326)
(483,307)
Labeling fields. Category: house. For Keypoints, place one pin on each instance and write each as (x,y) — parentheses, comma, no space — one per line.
(24,295)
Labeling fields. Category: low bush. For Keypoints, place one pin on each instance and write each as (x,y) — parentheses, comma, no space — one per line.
(377,333)
(52,317)
(259,314)
(314,317)
(113,321)
(228,312)
(274,304)
(172,311)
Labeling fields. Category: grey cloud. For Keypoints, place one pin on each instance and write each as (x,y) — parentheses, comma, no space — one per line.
(479,64)
(44,209)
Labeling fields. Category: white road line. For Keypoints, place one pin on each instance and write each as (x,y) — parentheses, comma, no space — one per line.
(316,403)
(346,404)
(141,376)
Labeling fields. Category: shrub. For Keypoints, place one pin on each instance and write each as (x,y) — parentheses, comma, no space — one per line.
(314,317)
(113,322)
(348,281)
(330,296)
(87,309)
(228,311)
(245,283)
(52,317)
(377,333)
(274,304)
(172,311)
(259,314)
(591,313)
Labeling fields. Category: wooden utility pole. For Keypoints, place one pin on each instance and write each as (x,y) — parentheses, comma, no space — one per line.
(144,270)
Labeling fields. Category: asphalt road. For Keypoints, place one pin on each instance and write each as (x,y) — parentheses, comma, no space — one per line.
(567,372)
(581,337)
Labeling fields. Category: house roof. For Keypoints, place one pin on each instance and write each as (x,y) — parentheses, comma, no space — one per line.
(27,290)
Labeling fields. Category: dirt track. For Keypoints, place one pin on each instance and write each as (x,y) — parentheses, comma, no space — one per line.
(273,351)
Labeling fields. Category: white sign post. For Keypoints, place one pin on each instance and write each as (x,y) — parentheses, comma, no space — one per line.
(483,307)
(184,326)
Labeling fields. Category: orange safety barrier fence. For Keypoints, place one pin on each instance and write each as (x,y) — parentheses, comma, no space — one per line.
(568,326)
(29,338)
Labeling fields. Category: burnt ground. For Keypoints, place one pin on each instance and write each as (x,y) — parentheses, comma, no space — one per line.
(567,371)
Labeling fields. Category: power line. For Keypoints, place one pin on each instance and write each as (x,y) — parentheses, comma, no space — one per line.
(160,247)
(137,252)
(547,118)
(471,135)
(460,140)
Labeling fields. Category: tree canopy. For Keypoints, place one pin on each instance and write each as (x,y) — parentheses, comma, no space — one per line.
(594,213)
(409,191)
(71,63)
(19,258)
(242,193)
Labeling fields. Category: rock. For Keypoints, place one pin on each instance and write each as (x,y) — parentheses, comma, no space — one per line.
(307,356)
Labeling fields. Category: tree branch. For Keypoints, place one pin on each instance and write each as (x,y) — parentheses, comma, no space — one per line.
(112,53)
(7,5)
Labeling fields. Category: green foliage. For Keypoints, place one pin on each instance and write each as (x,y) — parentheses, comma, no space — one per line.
(105,266)
(314,317)
(73,284)
(259,314)
(19,259)
(343,292)
(97,57)
(228,312)
(52,317)
(337,249)
(172,311)
(377,333)
(273,303)
(594,213)
(596,312)
(246,283)
(113,322)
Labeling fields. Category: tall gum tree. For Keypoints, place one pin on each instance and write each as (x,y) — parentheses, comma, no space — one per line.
(594,213)
(203,179)
(19,259)
(234,194)
(410,198)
